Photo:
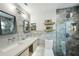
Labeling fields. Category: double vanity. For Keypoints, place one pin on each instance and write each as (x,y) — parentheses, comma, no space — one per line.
(9,24)
(22,48)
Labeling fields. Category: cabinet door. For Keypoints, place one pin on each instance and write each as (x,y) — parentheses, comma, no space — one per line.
(25,53)
(30,50)
(34,45)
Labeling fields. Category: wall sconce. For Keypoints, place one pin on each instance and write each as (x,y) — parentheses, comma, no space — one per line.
(22,13)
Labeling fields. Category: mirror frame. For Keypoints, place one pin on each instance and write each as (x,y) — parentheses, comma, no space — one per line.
(25,31)
(33,25)
(15,24)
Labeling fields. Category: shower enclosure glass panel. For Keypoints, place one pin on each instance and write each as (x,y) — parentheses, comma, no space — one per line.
(65,17)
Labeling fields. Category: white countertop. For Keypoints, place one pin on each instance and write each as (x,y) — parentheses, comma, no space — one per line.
(18,47)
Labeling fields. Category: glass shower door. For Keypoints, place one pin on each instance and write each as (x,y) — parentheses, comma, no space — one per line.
(61,39)
(66,17)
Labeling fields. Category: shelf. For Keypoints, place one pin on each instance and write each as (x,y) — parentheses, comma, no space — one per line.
(49,22)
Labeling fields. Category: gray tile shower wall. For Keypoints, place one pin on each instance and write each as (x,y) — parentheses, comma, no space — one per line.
(64,31)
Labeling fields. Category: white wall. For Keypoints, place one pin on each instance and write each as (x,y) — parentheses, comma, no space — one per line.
(41,17)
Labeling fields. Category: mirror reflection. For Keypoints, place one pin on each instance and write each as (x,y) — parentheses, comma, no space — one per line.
(7,23)
(25,26)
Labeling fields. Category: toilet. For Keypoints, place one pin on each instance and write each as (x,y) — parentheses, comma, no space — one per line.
(48,51)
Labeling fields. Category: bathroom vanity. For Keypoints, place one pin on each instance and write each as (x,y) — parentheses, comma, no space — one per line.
(22,48)
(29,50)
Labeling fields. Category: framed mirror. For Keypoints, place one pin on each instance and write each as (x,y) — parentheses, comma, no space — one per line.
(33,26)
(25,26)
(7,23)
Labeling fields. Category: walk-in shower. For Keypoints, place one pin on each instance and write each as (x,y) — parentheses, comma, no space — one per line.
(65,29)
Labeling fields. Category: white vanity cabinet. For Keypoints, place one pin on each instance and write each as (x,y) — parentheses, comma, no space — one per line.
(21,48)
(29,51)
(34,45)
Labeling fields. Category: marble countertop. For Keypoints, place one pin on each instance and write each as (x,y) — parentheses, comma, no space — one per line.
(17,48)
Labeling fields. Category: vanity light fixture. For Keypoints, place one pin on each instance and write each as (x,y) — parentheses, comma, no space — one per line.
(20,12)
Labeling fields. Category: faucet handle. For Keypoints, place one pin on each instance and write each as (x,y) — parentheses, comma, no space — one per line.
(13,38)
(9,40)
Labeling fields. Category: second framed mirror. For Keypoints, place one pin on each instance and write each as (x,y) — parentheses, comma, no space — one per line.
(25,26)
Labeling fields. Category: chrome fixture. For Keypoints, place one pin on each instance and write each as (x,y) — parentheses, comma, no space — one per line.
(12,39)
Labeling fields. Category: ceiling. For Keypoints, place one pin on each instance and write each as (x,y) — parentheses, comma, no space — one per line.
(45,7)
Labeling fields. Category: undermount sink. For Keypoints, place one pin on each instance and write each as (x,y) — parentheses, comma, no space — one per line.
(22,42)
(9,47)
(13,46)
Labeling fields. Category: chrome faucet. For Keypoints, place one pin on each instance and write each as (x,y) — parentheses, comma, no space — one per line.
(11,39)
